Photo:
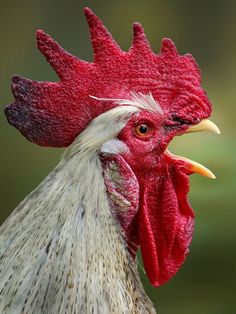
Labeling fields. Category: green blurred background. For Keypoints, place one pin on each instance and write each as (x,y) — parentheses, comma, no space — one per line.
(207,29)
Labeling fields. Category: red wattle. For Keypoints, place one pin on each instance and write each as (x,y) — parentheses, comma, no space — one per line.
(166,223)
(148,247)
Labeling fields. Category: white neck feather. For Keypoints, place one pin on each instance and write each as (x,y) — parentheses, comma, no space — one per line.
(62,250)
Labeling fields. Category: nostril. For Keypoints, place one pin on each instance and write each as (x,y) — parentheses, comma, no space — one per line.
(178,120)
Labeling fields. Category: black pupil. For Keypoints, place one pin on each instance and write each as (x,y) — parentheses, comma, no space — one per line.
(143,129)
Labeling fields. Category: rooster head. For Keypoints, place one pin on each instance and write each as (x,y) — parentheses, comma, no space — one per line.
(166,89)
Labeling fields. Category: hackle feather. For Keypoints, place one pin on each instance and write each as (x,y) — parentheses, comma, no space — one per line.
(62,250)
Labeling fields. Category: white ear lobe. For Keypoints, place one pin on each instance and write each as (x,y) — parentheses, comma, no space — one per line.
(122,189)
(114,147)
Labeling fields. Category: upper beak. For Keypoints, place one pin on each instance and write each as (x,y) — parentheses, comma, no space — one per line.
(204,125)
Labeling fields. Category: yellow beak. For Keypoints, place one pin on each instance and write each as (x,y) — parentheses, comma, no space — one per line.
(193,166)
(204,125)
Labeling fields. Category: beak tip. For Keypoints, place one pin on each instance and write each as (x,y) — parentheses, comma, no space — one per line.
(209,174)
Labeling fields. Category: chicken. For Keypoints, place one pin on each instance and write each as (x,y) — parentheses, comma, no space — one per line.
(70,246)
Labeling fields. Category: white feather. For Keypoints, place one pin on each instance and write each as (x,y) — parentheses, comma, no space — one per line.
(61,250)
(114,146)
(138,100)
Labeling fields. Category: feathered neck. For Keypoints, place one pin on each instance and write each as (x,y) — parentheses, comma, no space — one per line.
(68,248)
(105,275)
(69,252)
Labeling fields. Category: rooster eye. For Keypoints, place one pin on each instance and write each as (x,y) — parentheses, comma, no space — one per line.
(141,130)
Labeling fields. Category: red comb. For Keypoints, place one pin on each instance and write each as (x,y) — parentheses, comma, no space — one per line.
(54,113)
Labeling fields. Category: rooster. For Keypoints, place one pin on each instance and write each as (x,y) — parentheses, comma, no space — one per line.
(70,246)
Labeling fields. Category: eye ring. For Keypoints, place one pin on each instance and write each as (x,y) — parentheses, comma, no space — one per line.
(142,130)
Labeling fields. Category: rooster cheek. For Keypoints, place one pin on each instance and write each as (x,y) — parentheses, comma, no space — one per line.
(144,155)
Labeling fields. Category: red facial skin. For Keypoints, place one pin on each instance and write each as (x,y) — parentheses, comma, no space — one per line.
(54,113)
(164,222)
